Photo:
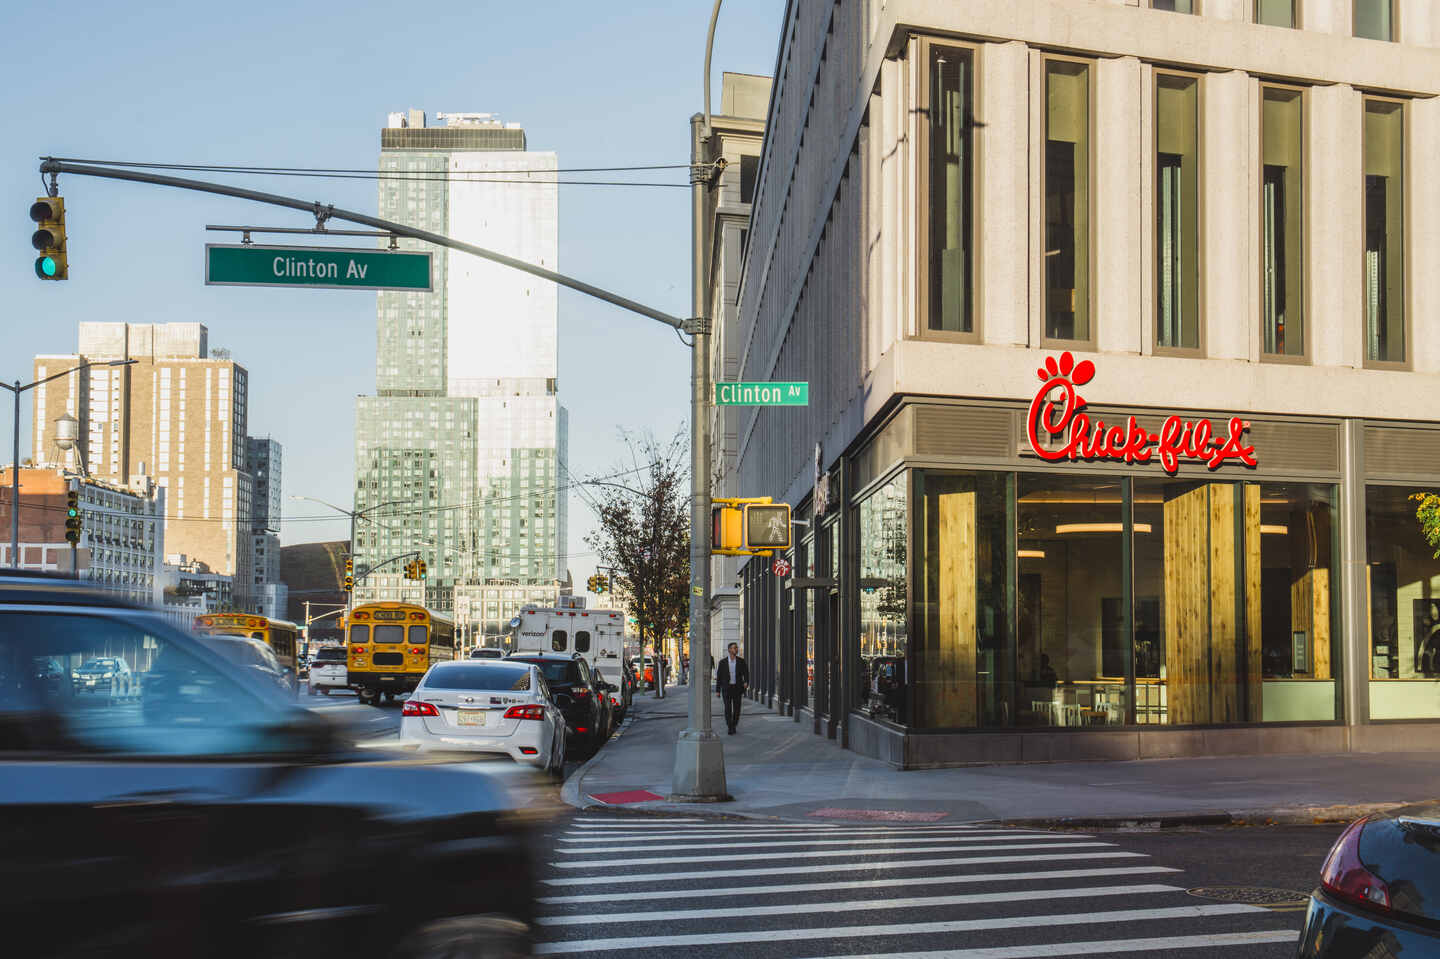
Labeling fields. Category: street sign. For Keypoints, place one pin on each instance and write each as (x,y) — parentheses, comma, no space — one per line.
(781,567)
(328,267)
(762,394)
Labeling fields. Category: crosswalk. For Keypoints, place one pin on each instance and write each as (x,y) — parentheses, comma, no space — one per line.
(655,887)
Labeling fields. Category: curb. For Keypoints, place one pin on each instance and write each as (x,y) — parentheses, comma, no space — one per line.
(1279,816)
(570,793)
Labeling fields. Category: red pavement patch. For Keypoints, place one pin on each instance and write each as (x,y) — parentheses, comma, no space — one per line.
(629,796)
(881,815)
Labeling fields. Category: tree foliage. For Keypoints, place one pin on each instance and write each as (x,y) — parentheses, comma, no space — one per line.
(1427,511)
(644,532)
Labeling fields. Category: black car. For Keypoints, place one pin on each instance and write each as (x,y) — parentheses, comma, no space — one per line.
(576,690)
(1379,892)
(213,817)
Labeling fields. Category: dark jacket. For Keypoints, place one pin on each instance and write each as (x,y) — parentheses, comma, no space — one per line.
(722,673)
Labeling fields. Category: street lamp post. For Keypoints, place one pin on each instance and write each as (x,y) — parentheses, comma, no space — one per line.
(699,774)
(16,390)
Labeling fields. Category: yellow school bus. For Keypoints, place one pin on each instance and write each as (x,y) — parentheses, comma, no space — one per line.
(390,646)
(283,638)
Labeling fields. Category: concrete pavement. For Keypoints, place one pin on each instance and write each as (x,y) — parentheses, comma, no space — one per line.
(777,767)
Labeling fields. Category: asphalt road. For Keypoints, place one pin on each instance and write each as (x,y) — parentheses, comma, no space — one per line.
(638,886)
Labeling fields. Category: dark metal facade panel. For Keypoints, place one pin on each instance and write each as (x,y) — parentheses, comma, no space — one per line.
(893,443)
(1282,447)
(451,138)
(984,433)
(1402,452)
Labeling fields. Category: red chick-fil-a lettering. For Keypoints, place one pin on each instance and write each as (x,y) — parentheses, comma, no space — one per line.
(1058,411)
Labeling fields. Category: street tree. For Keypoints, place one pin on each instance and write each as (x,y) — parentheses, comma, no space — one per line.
(643,531)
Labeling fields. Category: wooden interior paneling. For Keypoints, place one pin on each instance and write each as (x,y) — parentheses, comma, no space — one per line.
(952,693)
(1187,605)
(1310,611)
(1224,644)
(1253,663)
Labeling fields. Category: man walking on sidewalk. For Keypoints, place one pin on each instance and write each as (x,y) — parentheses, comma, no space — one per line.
(732,676)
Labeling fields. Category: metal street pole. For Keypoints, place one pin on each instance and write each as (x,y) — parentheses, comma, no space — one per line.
(699,774)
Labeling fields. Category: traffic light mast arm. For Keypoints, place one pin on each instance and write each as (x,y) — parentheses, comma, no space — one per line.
(52,166)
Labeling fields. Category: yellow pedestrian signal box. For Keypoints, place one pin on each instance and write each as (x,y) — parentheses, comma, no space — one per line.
(767,526)
(727,528)
(749,527)
(48,212)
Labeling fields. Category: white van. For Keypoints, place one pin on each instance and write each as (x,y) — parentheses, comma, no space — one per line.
(596,634)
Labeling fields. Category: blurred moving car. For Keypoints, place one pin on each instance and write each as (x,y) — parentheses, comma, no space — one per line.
(220,819)
(328,670)
(487,652)
(256,657)
(109,675)
(573,688)
(1379,892)
(489,707)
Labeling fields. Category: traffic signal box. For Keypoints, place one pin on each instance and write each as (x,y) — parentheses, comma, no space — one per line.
(749,527)
(349,584)
(421,570)
(48,212)
(72,517)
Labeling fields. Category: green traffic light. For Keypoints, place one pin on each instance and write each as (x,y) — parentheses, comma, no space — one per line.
(72,512)
(46,267)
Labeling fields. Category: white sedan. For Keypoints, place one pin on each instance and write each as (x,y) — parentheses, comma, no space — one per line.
(487,706)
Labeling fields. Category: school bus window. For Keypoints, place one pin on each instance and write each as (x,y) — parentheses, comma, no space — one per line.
(359,634)
(389,634)
(417,635)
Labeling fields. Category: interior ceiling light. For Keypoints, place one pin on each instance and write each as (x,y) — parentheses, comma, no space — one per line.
(1277,530)
(1030,553)
(1098,528)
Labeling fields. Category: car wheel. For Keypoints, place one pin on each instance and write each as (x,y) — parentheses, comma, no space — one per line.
(468,937)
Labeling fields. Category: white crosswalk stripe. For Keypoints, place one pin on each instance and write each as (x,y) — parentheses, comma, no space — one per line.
(775,890)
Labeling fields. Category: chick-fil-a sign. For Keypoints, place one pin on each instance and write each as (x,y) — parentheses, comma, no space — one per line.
(1064,418)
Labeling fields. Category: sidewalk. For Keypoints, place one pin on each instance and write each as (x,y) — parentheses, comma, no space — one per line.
(776,767)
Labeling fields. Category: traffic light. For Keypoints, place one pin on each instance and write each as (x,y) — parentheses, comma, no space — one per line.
(72,516)
(420,569)
(410,570)
(349,584)
(767,525)
(49,238)
(597,584)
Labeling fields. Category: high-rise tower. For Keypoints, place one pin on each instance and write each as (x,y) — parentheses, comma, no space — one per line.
(465,437)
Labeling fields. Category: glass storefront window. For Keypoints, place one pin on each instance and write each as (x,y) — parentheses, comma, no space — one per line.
(884,644)
(1403,585)
(1070,601)
(963,659)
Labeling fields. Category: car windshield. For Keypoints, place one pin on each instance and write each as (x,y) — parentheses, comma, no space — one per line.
(510,677)
(563,672)
(240,651)
(329,657)
(98,664)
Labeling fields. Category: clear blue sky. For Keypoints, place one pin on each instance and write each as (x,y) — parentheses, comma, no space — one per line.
(308,83)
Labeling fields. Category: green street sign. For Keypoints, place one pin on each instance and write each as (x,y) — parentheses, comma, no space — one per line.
(762,394)
(325,267)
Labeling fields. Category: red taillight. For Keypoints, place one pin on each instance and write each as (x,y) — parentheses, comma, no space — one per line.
(580,693)
(1346,877)
(416,650)
(614,701)
(582,729)
(525,712)
(414,708)
(529,750)
(357,650)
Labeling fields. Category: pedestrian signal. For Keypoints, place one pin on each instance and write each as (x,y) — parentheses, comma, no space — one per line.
(48,212)
(72,516)
(726,529)
(767,526)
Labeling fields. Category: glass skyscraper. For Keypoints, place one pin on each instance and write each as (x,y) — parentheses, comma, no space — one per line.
(460,455)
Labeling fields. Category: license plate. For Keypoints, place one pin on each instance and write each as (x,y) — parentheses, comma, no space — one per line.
(470,717)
